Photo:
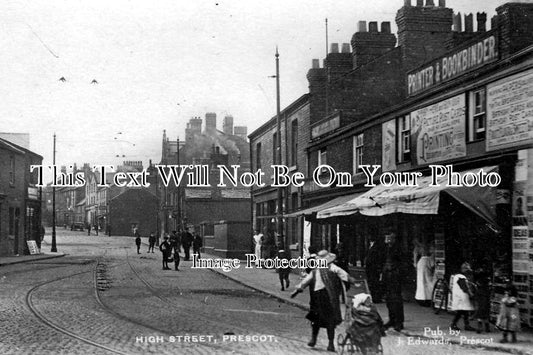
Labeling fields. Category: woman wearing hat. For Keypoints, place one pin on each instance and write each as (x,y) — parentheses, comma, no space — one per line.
(327,288)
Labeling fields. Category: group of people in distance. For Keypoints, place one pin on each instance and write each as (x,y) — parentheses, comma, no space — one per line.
(171,246)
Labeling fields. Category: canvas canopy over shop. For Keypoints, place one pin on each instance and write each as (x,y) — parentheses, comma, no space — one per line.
(421,199)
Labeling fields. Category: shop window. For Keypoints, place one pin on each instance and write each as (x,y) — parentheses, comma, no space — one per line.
(357,152)
(294,143)
(476,118)
(258,156)
(404,138)
(322,158)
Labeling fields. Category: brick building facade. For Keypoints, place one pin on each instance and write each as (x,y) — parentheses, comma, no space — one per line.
(20,199)
(443,95)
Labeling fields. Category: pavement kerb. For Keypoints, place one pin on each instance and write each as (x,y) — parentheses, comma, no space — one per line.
(271,294)
(29,260)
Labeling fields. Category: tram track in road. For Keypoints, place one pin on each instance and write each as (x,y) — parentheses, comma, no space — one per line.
(33,309)
(195,315)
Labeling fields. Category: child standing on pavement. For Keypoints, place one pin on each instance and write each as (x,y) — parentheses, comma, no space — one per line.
(137,240)
(283,272)
(508,318)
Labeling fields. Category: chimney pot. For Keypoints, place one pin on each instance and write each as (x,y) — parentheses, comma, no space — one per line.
(373,26)
(442,3)
(481,22)
(407,3)
(469,23)
(419,3)
(385,27)
(361,26)
(346,48)
(334,48)
(456,27)
(315,64)
(430,3)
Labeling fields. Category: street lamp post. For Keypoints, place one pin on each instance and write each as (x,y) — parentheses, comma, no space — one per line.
(54,247)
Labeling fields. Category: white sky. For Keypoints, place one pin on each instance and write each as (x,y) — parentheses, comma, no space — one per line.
(150,56)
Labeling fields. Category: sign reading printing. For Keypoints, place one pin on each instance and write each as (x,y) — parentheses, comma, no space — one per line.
(510,111)
(439,130)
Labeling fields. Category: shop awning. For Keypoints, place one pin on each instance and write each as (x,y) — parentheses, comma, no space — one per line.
(422,199)
(332,203)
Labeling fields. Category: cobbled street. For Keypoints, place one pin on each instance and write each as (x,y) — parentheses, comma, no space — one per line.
(104,298)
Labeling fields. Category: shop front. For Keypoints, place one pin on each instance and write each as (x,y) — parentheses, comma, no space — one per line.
(453,224)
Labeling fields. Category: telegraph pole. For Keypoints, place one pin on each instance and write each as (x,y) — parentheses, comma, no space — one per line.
(178,187)
(278,143)
(54,247)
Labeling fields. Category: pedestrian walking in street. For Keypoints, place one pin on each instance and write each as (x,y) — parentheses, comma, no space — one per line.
(186,241)
(327,291)
(462,294)
(392,281)
(196,244)
(137,240)
(151,242)
(482,300)
(374,263)
(509,317)
(176,259)
(284,272)
(174,241)
(165,252)
(258,245)
(88,229)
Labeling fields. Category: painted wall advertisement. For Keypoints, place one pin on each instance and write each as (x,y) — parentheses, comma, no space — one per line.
(509,111)
(439,131)
(389,146)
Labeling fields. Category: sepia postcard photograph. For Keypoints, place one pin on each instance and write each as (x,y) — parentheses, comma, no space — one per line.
(266,177)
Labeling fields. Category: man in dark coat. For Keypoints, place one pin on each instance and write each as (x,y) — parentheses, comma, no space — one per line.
(392,281)
(186,241)
(151,242)
(374,267)
(197,244)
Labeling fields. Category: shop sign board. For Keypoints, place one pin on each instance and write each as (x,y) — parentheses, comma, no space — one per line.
(452,65)
(509,112)
(32,246)
(325,127)
(389,146)
(439,131)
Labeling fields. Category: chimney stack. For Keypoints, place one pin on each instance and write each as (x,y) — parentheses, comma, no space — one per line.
(227,125)
(423,32)
(370,45)
(210,122)
(334,48)
(315,64)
